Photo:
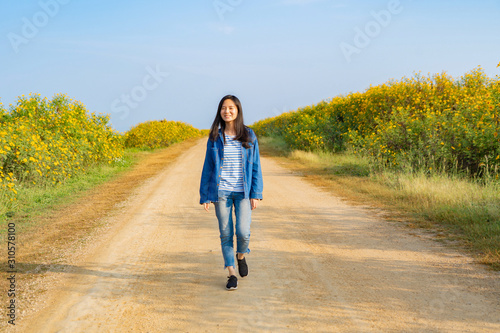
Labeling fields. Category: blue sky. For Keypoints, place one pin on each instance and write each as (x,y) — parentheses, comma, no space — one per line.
(147,60)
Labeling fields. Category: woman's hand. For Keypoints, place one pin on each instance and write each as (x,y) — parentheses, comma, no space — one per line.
(206,206)
(253,203)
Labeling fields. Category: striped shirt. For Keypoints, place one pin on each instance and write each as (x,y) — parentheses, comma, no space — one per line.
(232,167)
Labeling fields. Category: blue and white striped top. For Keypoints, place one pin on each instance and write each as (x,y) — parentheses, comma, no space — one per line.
(232,167)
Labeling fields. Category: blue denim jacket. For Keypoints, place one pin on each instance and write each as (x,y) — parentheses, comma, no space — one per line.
(212,168)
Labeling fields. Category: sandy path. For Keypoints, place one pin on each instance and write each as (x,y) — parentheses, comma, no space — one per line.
(316,265)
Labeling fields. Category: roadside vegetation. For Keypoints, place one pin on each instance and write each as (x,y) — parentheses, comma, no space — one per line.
(159,134)
(45,144)
(426,149)
(52,150)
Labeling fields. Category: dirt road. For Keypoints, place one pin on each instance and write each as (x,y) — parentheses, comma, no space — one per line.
(316,265)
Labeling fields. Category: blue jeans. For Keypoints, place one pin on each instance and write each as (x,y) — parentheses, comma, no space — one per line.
(243,213)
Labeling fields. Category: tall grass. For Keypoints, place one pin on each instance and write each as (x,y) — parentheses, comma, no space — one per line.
(466,209)
(34,201)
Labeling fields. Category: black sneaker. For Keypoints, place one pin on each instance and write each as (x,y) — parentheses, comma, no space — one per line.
(242,267)
(232,283)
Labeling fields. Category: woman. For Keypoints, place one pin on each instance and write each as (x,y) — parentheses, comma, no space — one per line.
(232,177)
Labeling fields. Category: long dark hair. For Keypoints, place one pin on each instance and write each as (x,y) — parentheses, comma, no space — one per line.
(241,130)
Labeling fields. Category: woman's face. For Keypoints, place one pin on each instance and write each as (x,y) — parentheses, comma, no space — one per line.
(229,111)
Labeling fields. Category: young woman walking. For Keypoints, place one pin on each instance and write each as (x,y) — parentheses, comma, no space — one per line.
(232,177)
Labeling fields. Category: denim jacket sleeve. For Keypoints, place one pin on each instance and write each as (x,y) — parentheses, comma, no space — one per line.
(206,174)
(257,185)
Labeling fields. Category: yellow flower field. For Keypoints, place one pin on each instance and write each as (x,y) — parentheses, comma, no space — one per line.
(419,122)
(159,133)
(44,142)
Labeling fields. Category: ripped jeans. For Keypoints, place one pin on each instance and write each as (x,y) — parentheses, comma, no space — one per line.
(243,213)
